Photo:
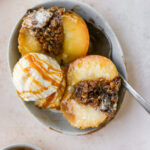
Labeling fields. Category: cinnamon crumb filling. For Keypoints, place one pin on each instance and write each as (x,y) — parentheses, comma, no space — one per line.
(98,93)
(46,25)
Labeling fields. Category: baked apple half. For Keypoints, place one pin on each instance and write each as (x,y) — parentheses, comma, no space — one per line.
(54,31)
(91,96)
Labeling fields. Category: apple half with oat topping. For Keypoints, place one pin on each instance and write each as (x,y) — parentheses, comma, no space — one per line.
(92,92)
(67,38)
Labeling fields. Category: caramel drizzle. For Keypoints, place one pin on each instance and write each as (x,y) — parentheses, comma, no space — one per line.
(35,81)
(33,92)
(38,66)
(39,59)
(48,100)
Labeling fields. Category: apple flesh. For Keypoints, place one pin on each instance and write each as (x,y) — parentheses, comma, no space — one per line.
(76,37)
(28,43)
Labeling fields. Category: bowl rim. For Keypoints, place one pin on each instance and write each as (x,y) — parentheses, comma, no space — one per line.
(34,147)
(125,75)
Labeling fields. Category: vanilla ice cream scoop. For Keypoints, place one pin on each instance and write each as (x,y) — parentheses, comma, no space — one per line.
(36,76)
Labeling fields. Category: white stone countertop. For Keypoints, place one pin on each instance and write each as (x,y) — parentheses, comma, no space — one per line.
(130,130)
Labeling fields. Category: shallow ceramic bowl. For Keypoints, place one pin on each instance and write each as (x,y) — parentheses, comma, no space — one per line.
(54,119)
(21,146)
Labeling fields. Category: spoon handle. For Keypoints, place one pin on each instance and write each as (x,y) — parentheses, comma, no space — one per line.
(137,96)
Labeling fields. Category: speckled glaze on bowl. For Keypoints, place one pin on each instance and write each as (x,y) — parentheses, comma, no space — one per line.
(54,119)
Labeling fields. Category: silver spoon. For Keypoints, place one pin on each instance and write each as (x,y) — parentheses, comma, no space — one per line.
(145,104)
